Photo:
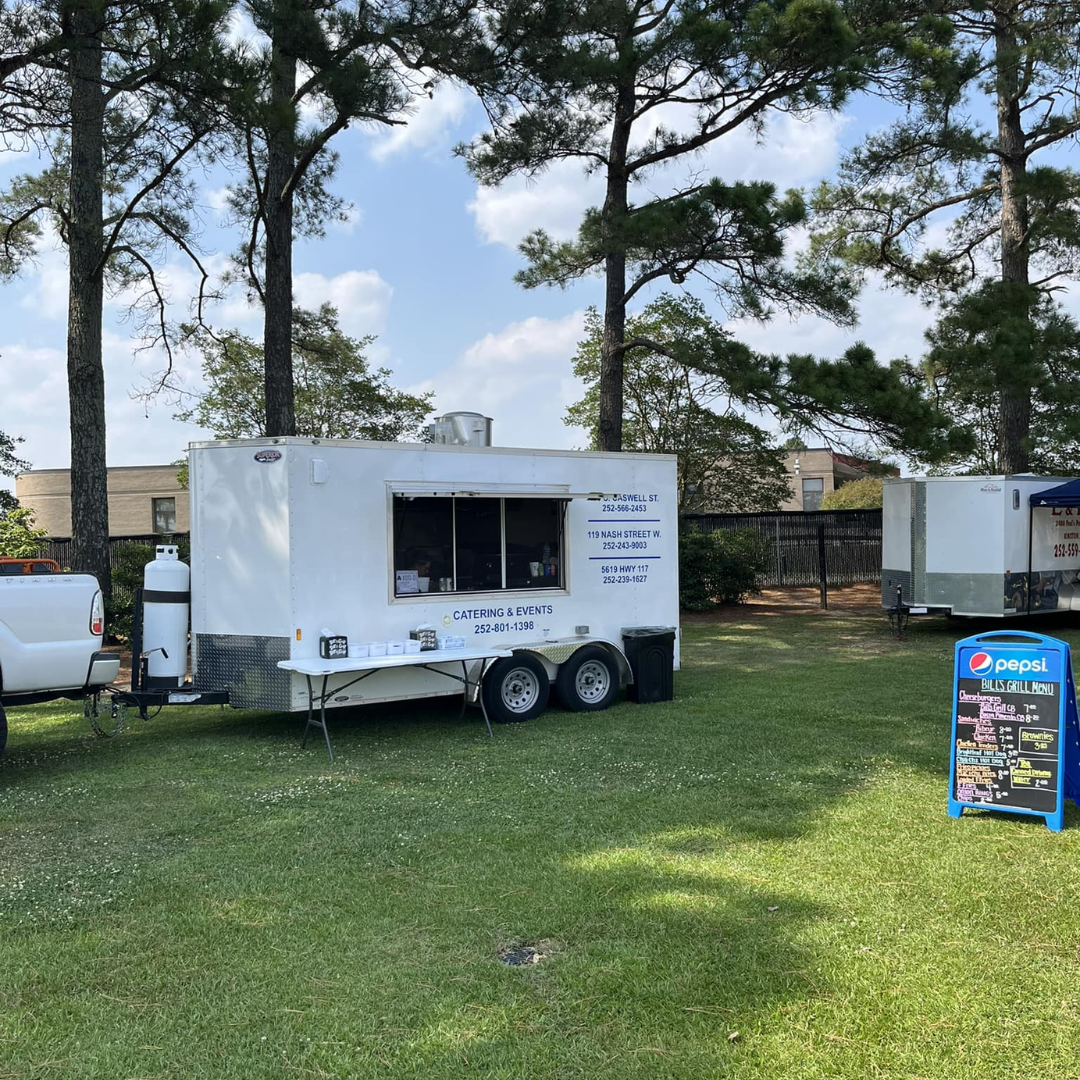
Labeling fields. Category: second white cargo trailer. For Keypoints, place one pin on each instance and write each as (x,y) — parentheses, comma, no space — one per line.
(537,554)
(979,545)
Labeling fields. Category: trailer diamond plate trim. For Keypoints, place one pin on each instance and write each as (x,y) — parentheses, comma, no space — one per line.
(966,594)
(918,544)
(246,666)
(889,580)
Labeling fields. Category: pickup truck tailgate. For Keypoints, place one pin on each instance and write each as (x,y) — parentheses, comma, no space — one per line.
(46,642)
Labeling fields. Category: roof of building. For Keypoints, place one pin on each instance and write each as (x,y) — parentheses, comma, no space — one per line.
(111,468)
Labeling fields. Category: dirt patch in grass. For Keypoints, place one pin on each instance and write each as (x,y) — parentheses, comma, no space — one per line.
(864,599)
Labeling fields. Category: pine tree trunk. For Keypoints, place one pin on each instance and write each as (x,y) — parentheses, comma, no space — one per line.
(612,356)
(277,327)
(1015,400)
(86,373)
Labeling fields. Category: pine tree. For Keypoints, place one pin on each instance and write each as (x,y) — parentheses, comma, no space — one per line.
(600,84)
(681,364)
(361,64)
(143,88)
(973,159)
(977,339)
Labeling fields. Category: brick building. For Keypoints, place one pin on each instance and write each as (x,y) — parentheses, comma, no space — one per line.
(816,471)
(143,499)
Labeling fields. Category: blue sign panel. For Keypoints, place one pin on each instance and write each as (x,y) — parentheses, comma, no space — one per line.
(1015,733)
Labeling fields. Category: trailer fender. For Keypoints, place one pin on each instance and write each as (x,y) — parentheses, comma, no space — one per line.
(556,653)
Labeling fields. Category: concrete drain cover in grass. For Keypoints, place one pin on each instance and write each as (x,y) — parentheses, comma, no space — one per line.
(519,955)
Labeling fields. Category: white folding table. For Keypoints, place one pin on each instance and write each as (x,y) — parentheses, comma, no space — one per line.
(368,666)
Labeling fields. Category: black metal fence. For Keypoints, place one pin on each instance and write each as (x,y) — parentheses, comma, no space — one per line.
(60,549)
(849,539)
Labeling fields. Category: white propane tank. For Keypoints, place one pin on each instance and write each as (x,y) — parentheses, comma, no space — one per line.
(166,600)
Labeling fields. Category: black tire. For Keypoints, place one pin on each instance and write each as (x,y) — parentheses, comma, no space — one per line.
(515,689)
(589,680)
(3,730)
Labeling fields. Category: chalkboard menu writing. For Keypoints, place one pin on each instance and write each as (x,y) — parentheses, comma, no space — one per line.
(1007,744)
(1014,726)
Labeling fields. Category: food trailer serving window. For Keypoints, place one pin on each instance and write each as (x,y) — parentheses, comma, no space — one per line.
(477,542)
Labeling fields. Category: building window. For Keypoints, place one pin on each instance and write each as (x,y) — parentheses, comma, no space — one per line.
(812,492)
(476,544)
(164,515)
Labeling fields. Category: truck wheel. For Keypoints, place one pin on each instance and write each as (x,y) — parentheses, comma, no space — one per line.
(589,680)
(3,729)
(515,688)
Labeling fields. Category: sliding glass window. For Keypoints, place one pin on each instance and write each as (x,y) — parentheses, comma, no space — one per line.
(477,544)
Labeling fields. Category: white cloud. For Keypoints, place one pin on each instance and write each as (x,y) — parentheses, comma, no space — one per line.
(217,199)
(362,298)
(891,322)
(37,407)
(554,202)
(46,279)
(521,377)
(428,126)
(241,30)
(792,153)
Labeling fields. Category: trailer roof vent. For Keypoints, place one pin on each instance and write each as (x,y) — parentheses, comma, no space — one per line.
(461,429)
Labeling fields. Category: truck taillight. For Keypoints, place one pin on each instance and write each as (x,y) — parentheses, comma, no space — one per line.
(97,616)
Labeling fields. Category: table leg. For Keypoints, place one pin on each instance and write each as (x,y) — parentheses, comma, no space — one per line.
(480,697)
(310,703)
(465,690)
(322,717)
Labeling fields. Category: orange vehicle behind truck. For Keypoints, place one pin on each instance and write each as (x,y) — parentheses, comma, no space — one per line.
(28,566)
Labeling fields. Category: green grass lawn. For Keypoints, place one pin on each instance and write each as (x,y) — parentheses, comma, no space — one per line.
(758,879)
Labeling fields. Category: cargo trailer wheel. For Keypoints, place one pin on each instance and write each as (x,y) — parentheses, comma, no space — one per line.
(589,680)
(3,730)
(515,689)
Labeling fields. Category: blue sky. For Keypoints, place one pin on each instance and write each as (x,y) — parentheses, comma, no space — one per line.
(427,264)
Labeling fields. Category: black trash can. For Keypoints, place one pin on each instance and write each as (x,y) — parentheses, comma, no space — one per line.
(651,652)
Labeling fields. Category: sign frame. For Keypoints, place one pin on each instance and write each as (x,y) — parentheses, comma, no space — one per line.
(1068,724)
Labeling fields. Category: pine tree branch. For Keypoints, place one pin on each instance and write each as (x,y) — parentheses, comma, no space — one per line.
(151,185)
(931,208)
(646,343)
(655,21)
(256,217)
(13,64)
(1048,140)
(340,122)
(182,243)
(160,303)
(708,134)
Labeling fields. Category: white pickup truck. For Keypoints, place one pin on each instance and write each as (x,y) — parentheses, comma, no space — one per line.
(51,629)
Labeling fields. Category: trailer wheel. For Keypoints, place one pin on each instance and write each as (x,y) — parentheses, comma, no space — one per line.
(3,730)
(589,680)
(515,688)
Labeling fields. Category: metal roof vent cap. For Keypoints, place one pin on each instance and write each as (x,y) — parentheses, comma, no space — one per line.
(462,429)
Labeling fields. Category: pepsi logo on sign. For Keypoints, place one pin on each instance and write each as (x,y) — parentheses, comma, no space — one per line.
(1008,663)
(265,457)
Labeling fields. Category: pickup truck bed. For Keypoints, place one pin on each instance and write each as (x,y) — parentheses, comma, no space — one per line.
(51,632)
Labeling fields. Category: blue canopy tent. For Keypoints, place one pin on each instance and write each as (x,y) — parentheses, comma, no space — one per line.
(1063,495)
(1067,494)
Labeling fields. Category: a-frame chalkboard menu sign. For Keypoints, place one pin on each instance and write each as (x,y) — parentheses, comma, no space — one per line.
(1015,733)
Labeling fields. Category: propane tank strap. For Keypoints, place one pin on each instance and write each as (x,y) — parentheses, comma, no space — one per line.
(159,596)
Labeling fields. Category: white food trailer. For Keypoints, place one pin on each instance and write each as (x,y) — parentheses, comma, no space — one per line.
(528,565)
(980,545)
